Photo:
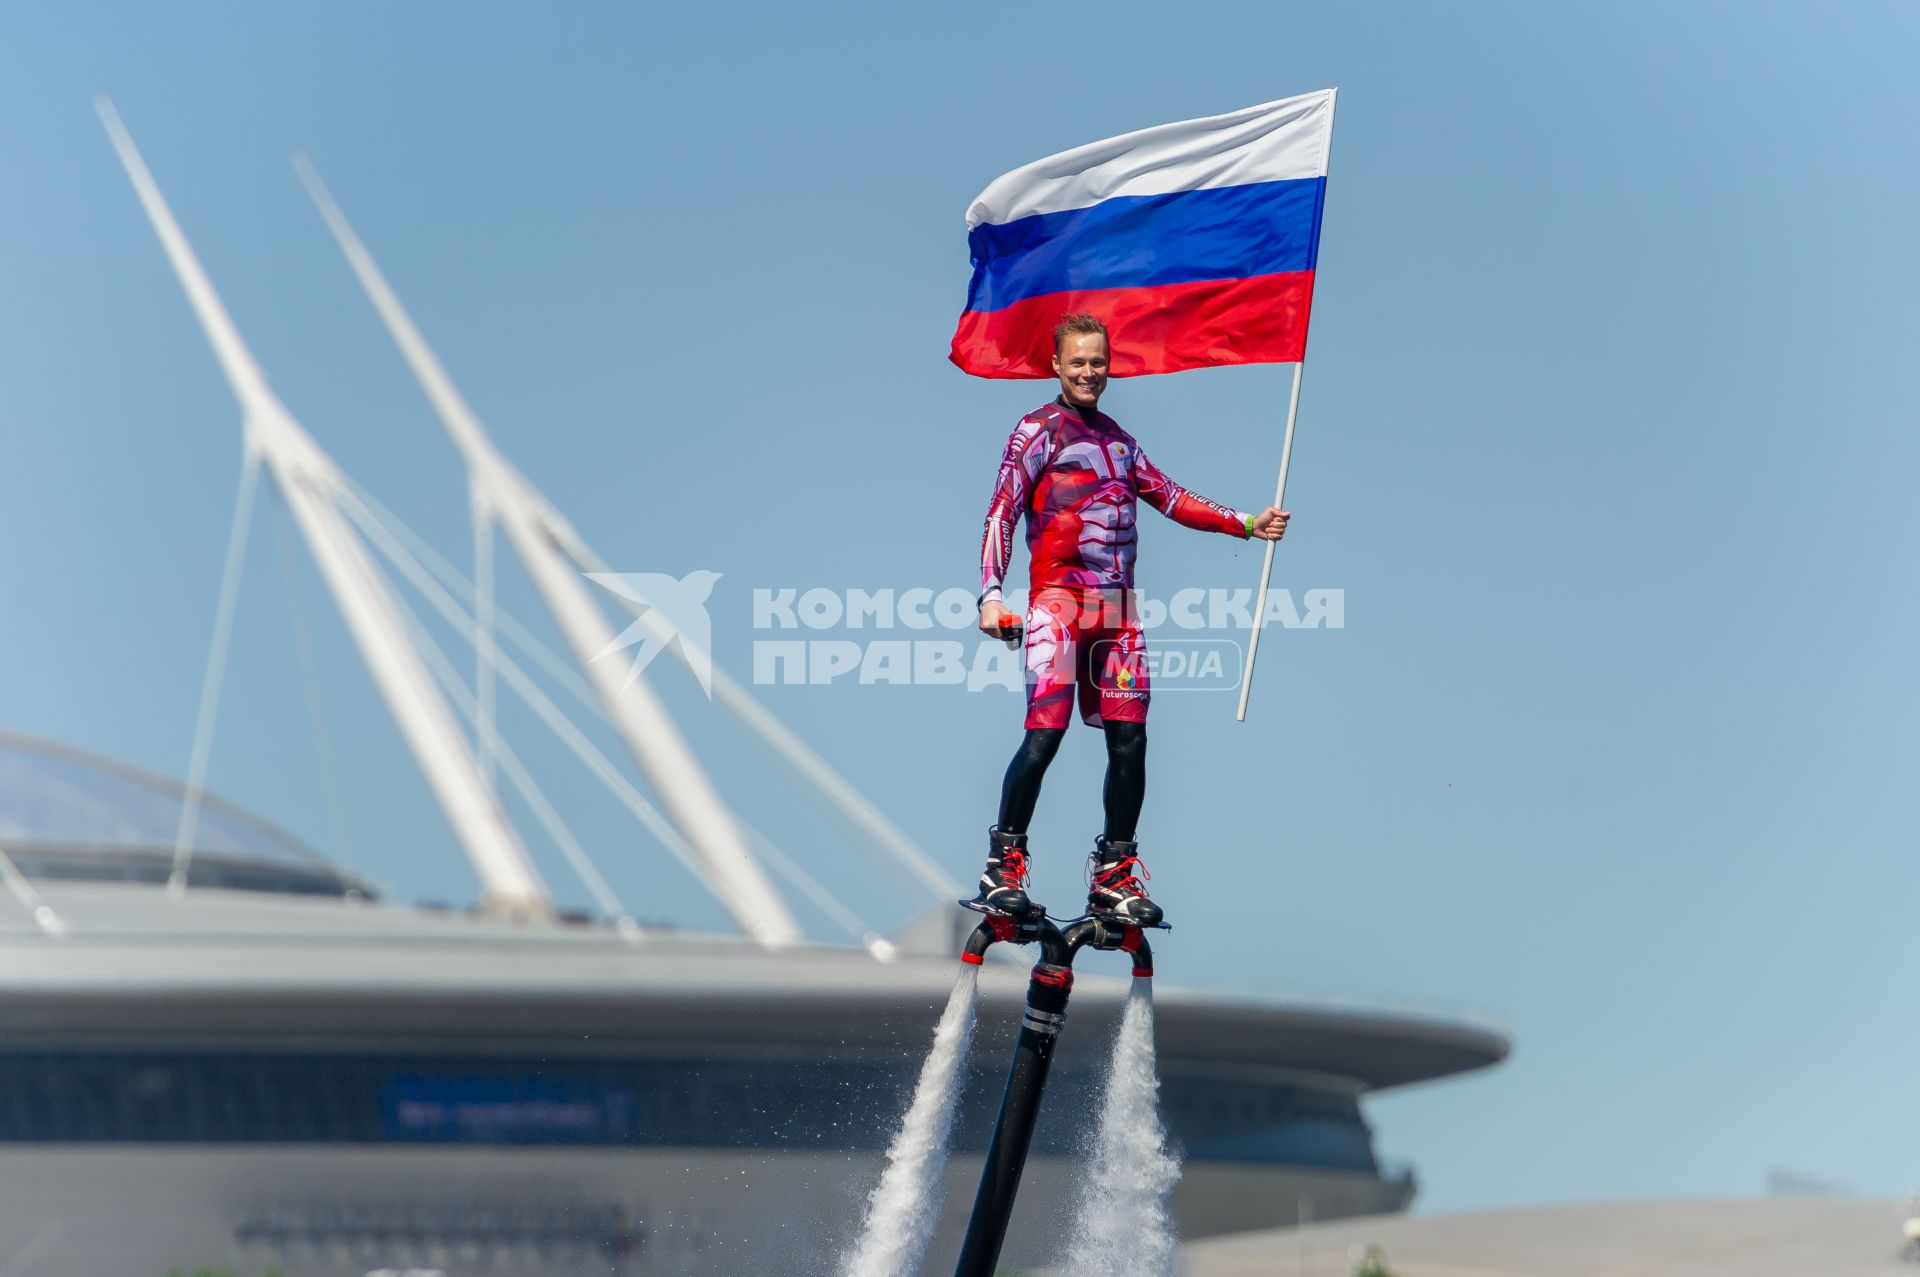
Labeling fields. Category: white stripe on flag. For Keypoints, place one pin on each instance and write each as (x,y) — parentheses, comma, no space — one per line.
(1273,142)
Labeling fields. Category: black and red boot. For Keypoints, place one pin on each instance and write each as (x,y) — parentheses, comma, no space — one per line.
(1003,884)
(1116,886)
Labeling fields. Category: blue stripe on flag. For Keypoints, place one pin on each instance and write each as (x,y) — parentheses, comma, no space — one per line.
(1139,241)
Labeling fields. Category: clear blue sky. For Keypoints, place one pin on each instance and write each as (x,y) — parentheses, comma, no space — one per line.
(1608,435)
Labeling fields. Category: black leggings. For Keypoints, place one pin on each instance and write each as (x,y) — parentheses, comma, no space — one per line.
(1126,786)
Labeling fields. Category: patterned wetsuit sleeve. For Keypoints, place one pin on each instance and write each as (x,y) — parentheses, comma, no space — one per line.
(1189,509)
(1026,456)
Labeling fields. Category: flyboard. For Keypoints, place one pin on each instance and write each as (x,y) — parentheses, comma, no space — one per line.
(1045,1016)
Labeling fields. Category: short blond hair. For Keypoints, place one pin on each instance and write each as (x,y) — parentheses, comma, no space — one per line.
(1080,322)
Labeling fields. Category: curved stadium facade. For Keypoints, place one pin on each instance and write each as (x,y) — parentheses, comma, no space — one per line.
(279,1071)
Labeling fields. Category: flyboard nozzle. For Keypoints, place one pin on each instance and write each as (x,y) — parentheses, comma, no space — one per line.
(992,928)
(997,928)
(1136,944)
(1110,936)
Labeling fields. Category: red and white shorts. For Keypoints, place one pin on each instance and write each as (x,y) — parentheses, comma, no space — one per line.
(1086,647)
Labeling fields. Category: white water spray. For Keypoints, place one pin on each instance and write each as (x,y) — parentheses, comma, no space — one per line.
(1121,1227)
(906,1202)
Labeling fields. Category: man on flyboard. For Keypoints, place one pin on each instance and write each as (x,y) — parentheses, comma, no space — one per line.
(1076,475)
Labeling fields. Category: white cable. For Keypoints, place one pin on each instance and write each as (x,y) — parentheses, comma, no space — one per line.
(844,801)
(485,736)
(806,884)
(584,749)
(522,780)
(215,673)
(789,749)
(316,702)
(456,581)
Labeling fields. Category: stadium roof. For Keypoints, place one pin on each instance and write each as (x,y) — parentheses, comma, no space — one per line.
(65,813)
(273,961)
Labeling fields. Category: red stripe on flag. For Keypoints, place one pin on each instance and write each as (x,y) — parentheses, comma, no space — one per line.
(1259,320)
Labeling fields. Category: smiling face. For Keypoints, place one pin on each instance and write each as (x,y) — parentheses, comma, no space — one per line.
(1081,364)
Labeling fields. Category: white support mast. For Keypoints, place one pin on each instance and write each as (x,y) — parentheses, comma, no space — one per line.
(310,482)
(540,538)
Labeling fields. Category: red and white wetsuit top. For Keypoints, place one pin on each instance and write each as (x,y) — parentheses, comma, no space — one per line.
(1076,480)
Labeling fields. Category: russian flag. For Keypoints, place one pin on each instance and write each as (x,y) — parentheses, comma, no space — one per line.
(1195,243)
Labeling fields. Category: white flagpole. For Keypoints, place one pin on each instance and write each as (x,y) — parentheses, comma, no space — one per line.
(1279,488)
(1266,567)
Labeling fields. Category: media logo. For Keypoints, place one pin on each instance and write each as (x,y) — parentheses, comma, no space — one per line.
(673,611)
